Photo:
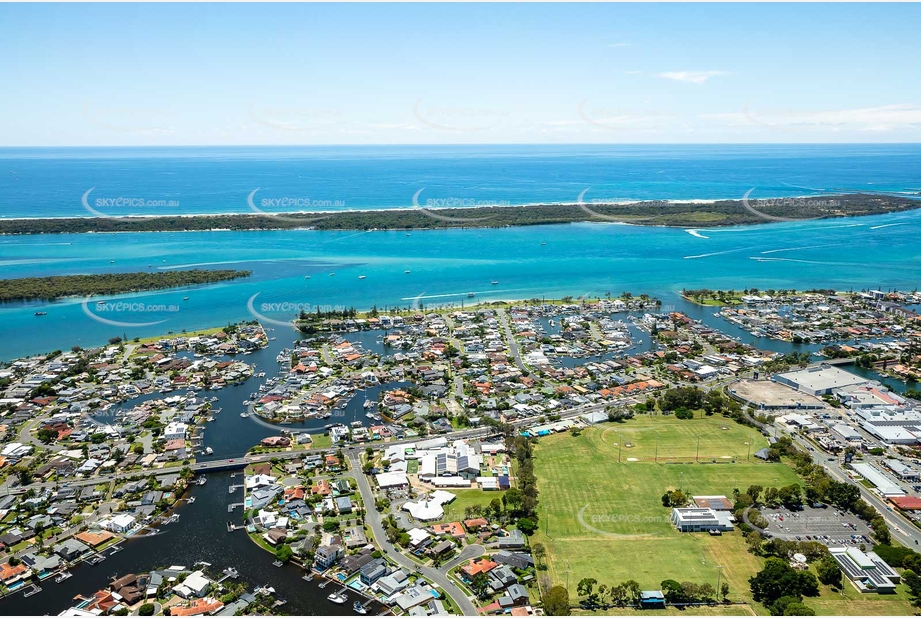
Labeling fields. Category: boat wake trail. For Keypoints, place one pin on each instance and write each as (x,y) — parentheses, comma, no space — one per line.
(696,234)
(799,248)
(706,255)
(879,227)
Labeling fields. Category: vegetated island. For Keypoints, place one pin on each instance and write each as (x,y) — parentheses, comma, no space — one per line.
(658,213)
(59,286)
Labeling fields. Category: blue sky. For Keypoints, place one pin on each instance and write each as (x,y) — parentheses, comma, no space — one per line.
(177,74)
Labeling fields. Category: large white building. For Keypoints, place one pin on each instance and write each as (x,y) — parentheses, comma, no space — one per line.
(701,520)
(866,571)
(819,380)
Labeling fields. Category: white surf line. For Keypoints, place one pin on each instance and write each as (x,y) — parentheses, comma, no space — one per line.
(696,234)
(879,227)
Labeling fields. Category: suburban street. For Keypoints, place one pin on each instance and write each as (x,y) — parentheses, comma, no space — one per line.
(373,518)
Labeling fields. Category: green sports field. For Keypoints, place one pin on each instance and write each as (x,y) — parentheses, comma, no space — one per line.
(604,519)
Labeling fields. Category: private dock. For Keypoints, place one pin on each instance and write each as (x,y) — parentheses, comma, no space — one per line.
(232,506)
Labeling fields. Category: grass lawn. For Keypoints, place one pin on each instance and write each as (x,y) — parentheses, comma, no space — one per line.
(850,602)
(465,498)
(603,519)
(320,440)
(719,610)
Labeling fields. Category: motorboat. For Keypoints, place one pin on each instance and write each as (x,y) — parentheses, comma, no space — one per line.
(358,608)
(361,276)
(41,313)
(63,576)
(337,597)
(209,451)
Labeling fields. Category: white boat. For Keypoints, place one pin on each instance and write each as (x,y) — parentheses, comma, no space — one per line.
(361,276)
(203,480)
(307,277)
(63,576)
(337,597)
(332,274)
(191,500)
(243,415)
(494,282)
(368,404)
(209,451)
(470,294)
(406,272)
(358,608)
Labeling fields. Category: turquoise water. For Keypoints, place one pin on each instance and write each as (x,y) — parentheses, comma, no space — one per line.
(445,266)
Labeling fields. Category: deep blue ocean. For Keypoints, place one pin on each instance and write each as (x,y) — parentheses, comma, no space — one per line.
(38,182)
(446,266)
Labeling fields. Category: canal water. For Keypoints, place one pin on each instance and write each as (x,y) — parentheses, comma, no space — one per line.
(200,533)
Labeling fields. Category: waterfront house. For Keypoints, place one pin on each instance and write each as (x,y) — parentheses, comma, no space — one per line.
(9,574)
(327,555)
(373,571)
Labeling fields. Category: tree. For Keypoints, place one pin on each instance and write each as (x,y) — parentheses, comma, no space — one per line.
(480,585)
(586,586)
(779,607)
(798,609)
(556,601)
(880,531)
(724,589)
(754,492)
(808,584)
(538,551)
(632,590)
(829,572)
(913,581)
(284,553)
(673,591)
(777,579)
(527,525)
(147,609)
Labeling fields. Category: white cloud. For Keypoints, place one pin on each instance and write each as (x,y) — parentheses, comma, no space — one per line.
(691,77)
(872,119)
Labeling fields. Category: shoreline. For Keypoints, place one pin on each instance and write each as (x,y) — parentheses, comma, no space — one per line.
(682,214)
